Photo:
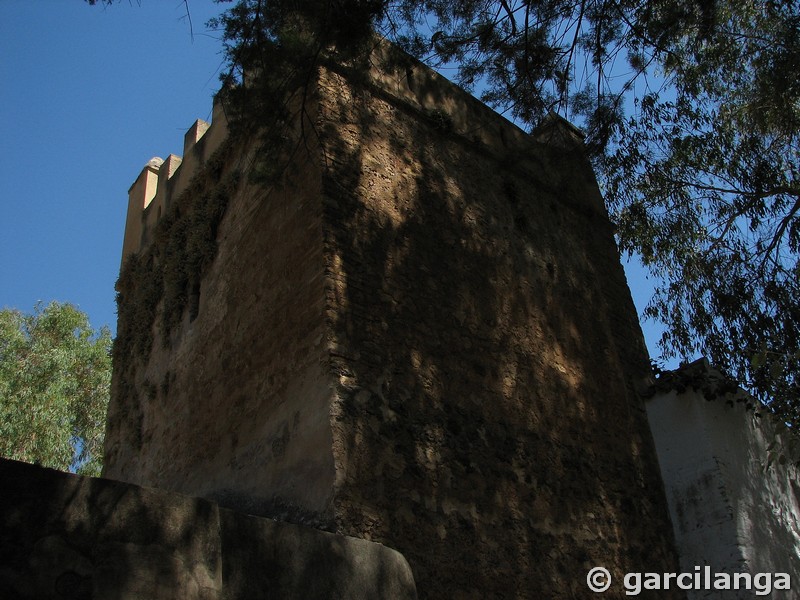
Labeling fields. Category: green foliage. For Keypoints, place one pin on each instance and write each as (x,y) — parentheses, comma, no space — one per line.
(704,181)
(164,279)
(55,373)
(440,120)
(171,269)
(701,173)
(139,290)
(189,244)
(273,50)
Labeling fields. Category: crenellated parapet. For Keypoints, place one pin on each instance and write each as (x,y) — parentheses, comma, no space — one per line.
(412,328)
(161,181)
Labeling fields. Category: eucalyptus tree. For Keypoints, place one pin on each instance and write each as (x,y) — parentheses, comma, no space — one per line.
(55,375)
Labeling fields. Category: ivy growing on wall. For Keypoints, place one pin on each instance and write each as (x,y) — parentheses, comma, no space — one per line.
(157,285)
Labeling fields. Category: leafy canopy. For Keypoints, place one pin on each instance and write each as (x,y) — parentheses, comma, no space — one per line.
(55,373)
(692,113)
(703,175)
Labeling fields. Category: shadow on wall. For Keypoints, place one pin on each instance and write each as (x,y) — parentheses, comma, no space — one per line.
(64,536)
(729,509)
(485,395)
(480,336)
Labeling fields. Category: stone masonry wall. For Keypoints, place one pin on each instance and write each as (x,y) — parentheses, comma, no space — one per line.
(234,405)
(421,336)
(487,349)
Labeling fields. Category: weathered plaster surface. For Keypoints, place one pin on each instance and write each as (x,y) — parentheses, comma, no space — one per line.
(729,511)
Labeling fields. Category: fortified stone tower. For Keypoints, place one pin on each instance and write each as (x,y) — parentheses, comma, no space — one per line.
(420,335)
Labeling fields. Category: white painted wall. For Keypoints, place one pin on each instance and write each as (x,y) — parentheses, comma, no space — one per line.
(728,511)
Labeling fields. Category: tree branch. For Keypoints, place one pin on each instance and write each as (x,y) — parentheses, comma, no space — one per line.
(781,230)
(189,18)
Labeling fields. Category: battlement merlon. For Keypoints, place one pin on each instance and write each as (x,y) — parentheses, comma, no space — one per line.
(405,80)
(162,180)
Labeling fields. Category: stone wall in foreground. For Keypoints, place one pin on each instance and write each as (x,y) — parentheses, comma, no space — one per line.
(420,335)
(64,536)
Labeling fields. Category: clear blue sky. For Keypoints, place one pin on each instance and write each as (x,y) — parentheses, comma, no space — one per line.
(88,96)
